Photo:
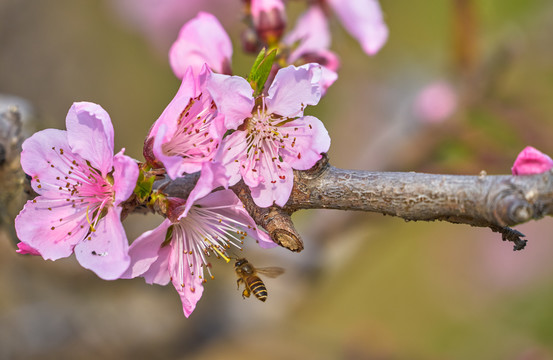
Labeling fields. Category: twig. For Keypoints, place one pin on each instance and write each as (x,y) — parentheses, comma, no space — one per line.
(495,201)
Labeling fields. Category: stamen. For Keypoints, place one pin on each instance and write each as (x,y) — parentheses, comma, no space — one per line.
(88,219)
(214,248)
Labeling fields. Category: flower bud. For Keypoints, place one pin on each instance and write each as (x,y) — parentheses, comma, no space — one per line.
(269,20)
(531,161)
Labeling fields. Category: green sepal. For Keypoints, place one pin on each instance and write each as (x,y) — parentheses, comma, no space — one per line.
(261,69)
(144,186)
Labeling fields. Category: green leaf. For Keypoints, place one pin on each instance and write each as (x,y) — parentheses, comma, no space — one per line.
(256,63)
(261,69)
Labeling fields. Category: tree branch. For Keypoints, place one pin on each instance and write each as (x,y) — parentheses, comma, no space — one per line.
(500,200)
(495,201)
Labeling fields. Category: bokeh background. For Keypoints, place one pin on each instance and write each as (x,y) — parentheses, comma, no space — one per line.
(366,286)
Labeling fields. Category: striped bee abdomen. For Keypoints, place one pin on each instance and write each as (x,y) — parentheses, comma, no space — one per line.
(257,287)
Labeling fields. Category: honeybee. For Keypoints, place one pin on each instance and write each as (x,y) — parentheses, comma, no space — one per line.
(247,274)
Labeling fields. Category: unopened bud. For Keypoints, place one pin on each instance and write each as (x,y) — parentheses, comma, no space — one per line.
(269,20)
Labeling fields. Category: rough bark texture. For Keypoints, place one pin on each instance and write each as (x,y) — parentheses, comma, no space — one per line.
(476,200)
(495,201)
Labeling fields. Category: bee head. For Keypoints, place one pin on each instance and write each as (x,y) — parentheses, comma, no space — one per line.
(240,262)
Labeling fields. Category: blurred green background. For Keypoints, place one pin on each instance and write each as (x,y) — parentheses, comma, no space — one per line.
(367,286)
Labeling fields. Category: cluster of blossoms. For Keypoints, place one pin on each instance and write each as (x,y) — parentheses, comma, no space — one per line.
(225,127)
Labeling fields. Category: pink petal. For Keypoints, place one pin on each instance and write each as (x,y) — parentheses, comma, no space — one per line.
(125,174)
(232,154)
(158,273)
(190,291)
(173,111)
(363,19)
(90,134)
(266,192)
(25,249)
(253,171)
(311,32)
(269,20)
(265,241)
(219,199)
(201,40)
(105,251)
(233,97)
(45,224)
(41,159)
(313,36)
(267,6)
(236,211)
(531,161)
(312,140)
(148,258)
(212,176)
(293,88)
(174,164)
(173,144)
(328,75)
(188,297)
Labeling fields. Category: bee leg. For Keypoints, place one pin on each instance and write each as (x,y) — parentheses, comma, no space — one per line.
(238,283)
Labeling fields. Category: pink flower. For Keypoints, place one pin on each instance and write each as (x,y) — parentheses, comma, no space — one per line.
(81,185)
(179,249)
(531,161)
(436,102)
(364,21)
(188,132)
(272,137)
(201,40)
(312,37)
(186,137)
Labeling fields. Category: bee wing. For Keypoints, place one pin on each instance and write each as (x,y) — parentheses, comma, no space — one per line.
(272,271)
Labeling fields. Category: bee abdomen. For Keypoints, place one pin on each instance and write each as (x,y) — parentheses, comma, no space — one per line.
(258,288)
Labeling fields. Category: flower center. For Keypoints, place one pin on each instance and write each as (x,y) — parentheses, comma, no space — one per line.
(202,233)
(192,139)
(77,185)
(265,139)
